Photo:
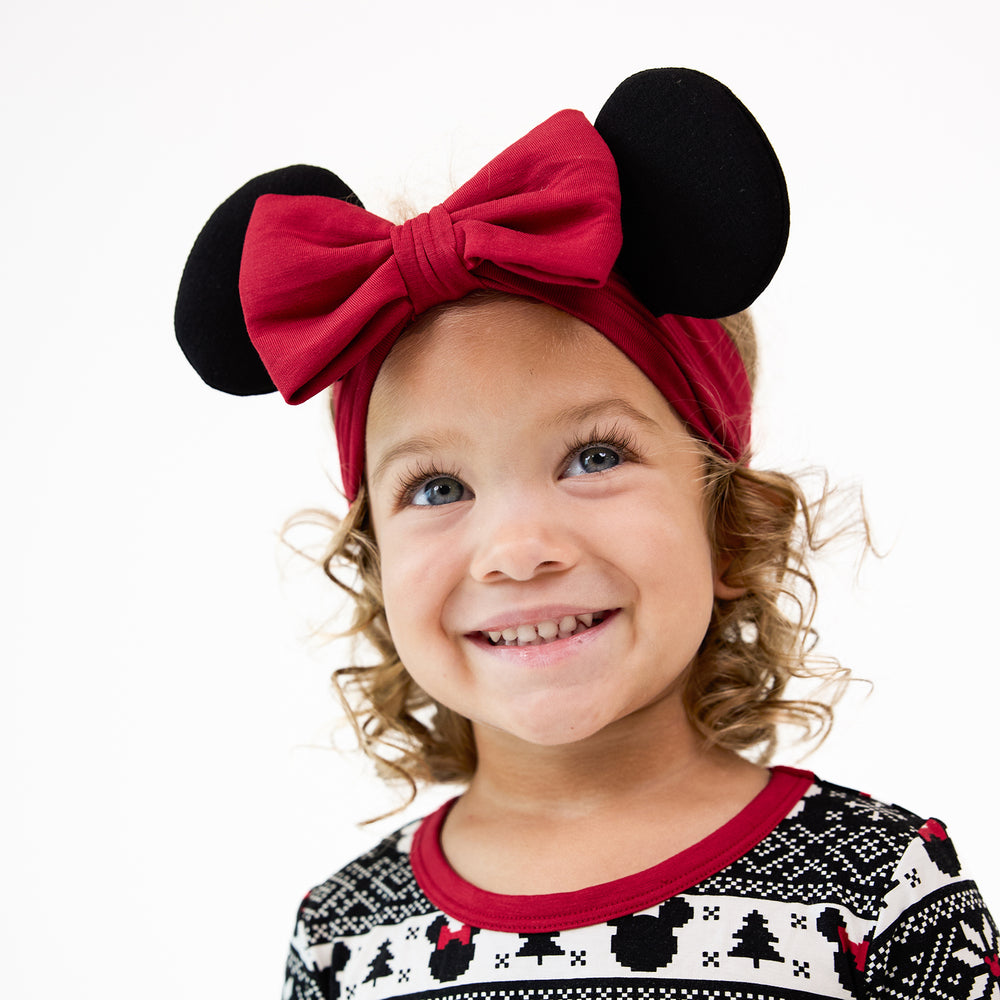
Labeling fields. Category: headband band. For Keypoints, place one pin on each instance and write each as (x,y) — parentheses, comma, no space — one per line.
(692,361)
(672,206)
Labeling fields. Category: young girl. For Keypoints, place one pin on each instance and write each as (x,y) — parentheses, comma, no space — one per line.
(582,595)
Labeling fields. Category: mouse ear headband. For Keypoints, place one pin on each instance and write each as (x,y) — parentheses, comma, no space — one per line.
(669,210)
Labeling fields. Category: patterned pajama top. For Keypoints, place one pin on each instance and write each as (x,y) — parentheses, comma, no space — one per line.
(812,891)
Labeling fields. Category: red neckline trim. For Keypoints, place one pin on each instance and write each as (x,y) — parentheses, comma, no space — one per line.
(558,911)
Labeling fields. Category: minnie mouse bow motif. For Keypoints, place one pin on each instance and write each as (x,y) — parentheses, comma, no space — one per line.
(324,282)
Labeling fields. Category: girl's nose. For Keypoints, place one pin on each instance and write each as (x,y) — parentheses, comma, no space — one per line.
(520,543)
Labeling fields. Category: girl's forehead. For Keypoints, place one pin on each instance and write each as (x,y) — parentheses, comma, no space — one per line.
(470,331)
(471,340)
(472,346)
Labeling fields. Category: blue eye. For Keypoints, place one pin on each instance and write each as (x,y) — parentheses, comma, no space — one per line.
(594,458)
(437,492)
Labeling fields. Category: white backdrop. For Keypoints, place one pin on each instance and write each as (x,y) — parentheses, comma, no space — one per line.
(167,798)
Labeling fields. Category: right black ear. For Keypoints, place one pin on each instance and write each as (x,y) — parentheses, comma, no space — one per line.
(704,203)
(208,317)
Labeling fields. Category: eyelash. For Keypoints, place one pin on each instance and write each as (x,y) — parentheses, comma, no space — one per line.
(418,476)
(615,437)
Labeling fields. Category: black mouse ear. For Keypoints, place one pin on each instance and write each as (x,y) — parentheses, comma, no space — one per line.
(704,202)
(208,317)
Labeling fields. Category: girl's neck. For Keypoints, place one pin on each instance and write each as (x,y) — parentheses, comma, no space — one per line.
(654,751)
(555,819)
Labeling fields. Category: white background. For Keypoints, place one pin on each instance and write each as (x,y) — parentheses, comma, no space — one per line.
(167,799)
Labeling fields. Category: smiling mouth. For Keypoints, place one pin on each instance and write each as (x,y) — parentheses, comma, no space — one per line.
(544,632)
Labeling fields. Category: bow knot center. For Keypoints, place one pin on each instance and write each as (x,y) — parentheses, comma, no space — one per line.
(426,253)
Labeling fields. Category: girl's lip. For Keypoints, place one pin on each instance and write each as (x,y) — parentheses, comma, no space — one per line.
(532,616)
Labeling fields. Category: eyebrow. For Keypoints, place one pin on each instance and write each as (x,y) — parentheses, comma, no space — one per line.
(429,443)
(425,444)
(602,408)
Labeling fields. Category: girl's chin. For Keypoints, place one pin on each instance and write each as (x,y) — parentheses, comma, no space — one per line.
(544,731)
(557,720)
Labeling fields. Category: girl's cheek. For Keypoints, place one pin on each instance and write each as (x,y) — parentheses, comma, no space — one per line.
(409,568)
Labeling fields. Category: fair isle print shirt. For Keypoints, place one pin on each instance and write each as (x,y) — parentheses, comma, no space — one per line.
(812,891)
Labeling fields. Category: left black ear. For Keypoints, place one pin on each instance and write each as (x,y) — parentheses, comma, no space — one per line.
(208,316)
(704,202)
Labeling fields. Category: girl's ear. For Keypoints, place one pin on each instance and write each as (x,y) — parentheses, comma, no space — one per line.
(208,317)
(704,202)
(726,549)
(725,591)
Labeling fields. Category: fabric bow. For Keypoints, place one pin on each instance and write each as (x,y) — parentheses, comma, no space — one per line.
(324,284)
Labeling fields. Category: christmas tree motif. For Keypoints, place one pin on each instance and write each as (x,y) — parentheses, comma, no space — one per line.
(755,941)
(379,965)
(539,945)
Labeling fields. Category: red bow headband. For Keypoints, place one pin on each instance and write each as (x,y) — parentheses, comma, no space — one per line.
(325,287)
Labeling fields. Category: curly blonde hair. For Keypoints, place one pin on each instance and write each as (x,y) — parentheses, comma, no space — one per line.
(763,530)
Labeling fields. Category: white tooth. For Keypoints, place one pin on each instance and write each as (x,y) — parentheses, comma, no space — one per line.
(495,636)
(510,634)
(547,630)
(567,624)
(587,619)
(526,634)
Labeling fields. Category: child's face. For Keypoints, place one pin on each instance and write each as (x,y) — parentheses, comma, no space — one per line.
(523,472)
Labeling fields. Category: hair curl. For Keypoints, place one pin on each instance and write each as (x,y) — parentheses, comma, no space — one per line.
(763,529)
